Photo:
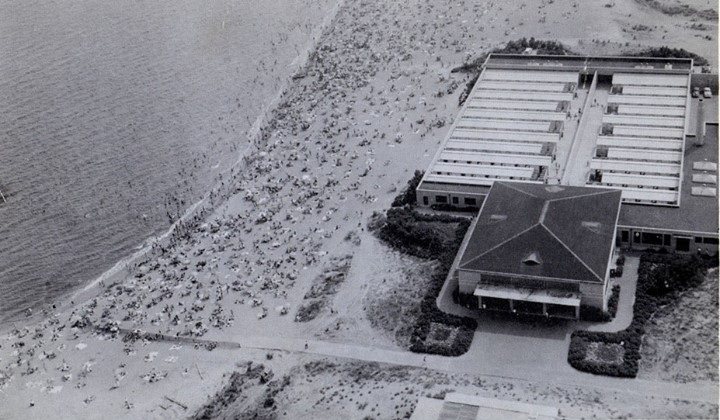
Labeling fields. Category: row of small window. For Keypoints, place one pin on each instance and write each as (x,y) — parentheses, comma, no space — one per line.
(707,241)
(442,199)
(662,239)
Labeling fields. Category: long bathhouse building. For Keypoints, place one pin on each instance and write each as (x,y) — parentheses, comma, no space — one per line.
(625,127)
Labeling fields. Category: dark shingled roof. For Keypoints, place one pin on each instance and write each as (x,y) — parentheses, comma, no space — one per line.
(569,230)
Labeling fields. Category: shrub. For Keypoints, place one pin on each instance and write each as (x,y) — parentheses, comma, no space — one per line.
(667,52)
(408,196)
(661,278)
(418,234)
(451,207)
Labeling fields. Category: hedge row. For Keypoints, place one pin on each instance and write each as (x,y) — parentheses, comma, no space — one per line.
(411,232)
(667,52)
(451,207)
(593,314)
(661,278)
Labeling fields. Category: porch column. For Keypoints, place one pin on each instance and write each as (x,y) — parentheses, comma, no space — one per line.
(512,306)
(545,312)
(577,312)
(480,305)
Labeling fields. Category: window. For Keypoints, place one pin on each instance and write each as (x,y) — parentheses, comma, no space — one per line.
(710,241)
(636,237)
(698,239)
(425,200)
(682,244)
(440,199)
(652,238)
(455,200)
(625,235)
(667,240)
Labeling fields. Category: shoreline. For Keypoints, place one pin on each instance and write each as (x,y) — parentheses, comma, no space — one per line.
(195,213)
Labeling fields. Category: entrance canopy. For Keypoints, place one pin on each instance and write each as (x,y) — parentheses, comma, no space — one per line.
(554,297)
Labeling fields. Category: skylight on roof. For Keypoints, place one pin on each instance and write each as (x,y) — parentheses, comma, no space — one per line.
(498,217)
(533,259)
(554,189)
(591,226)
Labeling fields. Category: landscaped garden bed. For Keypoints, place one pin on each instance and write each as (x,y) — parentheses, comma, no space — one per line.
(436,237)
(662,278)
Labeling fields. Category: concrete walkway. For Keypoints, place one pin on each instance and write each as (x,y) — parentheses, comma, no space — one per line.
(578,163)
(628,287)
(488,357)
(469,364)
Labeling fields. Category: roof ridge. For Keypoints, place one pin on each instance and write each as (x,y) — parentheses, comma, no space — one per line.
(499,245)
(518,190)
(570,251)
(607,191)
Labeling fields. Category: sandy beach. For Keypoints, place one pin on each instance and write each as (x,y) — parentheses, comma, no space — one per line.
(221,292)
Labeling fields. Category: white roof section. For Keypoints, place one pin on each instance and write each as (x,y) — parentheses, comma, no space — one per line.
(510,126)
(670,111)
(531,75)
(536,137)
(458,406)
(503,104)
(645,155)
(649,195)
(704,191)
(637,131)
(521,86)
(503,131)
(468,169)
(483,180)
(640,143)
(525,96)
(503,114)
(470,122)
(635,180)
(705,166)
(678,80)
(655,91)
(645,151)
(647,100)
(629,166)
(704,178)
(496,158)
(645,120)
(498,146)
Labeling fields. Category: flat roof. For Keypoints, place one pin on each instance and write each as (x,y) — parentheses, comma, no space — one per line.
(697,214)
(453,188)
(457,406)
(591,63)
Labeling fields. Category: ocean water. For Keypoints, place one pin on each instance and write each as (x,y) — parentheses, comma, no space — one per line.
(116,115)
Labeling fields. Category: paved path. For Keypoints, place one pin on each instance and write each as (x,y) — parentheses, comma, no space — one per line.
(524,368)
(465,364)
